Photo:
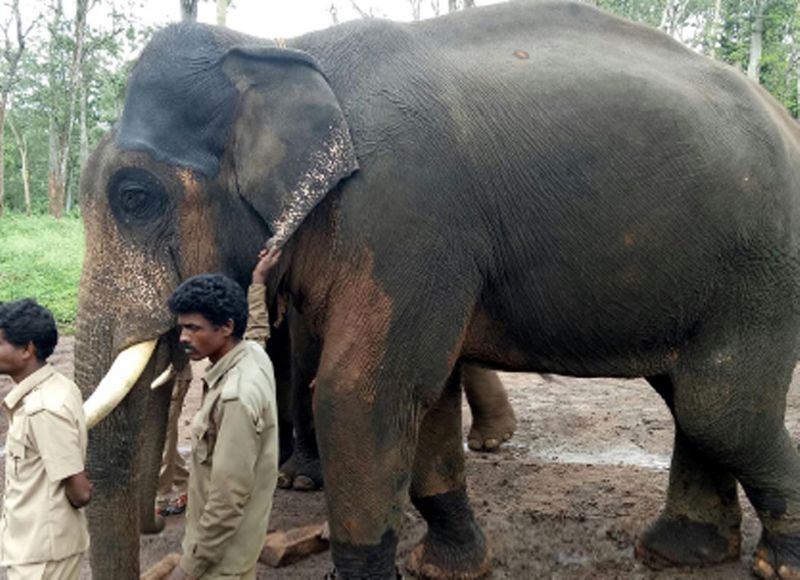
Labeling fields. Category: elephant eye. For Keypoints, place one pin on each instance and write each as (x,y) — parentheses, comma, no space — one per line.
(136,196)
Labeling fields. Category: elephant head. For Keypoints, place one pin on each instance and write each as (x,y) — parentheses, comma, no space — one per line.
(224,141)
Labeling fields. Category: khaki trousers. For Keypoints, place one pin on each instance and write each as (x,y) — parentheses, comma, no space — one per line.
(174,472)
(66,569)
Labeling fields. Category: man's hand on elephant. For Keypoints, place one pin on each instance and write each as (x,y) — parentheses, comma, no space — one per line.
(267,258)
(179,574)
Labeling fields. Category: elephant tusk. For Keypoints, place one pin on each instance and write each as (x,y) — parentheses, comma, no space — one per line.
(118,382)
(163,378)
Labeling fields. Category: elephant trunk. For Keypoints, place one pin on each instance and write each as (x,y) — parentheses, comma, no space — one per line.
(119,451)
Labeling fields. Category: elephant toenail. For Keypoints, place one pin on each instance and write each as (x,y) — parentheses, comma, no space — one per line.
(763,569)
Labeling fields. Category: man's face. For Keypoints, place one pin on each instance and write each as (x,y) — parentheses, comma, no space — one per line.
(12,358)
(200,338)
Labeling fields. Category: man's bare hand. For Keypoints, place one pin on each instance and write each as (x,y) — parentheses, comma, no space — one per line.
(266,260)
(179,574)
(78,489)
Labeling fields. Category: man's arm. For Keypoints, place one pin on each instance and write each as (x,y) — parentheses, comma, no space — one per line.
(58,441)
(258,317)
(230,488)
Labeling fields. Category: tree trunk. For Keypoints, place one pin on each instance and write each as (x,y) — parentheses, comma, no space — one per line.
(3,101)
(188,10)
(59,164)
(10,58)
(22,147)
(416,9)
(669,16)
(756,37)
(84,131)
(222,12)
(53,196)
(452,5)
(714,28)
(469,4)
(797,107)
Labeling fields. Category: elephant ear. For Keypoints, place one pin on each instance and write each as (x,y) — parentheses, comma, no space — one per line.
(290,144)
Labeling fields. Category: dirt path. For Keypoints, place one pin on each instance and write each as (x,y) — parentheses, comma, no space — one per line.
(566,498)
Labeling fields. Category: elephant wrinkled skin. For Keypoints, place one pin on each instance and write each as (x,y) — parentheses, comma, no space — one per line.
(526,186)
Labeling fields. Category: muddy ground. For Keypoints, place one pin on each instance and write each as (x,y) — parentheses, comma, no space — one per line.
(584,474)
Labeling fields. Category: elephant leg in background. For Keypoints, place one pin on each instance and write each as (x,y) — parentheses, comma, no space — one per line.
(725,406)
(700,522)
(493,420)
(303,470)
(454,545)
(280,352)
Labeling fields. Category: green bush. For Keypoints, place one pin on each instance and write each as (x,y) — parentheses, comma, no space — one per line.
(41,257)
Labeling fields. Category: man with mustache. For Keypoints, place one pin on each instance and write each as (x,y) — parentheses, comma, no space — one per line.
(234,434)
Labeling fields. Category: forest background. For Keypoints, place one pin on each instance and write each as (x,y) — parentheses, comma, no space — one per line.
(64,65)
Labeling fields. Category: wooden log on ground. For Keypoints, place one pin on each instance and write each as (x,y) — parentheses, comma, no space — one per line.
(163,568)
(281,548)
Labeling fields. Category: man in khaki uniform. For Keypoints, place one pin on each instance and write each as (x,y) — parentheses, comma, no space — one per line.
(234,434)
(43,530)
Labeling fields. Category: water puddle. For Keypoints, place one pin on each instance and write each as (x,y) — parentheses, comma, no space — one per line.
(619,456)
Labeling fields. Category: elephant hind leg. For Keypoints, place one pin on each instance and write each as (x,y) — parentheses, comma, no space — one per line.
(454,546)
(493,419)
(729,403)
(700,523)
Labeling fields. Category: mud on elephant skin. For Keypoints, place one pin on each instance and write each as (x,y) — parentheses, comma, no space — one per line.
(526,186)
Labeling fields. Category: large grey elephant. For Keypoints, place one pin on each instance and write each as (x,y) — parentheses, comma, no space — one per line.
(527,186)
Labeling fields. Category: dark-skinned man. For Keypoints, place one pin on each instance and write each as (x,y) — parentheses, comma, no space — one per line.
(234,434)
(44,531)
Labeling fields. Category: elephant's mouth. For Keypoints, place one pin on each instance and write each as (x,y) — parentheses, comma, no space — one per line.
(121,377)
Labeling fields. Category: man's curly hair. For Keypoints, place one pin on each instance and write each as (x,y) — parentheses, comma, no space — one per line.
(26,321)
(214,296)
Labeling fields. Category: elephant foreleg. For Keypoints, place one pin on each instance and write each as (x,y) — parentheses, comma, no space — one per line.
(367,459)
(493,420)
(454,546)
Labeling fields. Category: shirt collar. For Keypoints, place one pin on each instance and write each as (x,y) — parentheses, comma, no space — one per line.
(216,371)
(27,385)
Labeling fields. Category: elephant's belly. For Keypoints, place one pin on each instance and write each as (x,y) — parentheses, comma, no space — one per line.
(577,346)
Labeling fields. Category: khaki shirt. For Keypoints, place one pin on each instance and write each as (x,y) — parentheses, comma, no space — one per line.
(234,465)
(257,314)
(46,443)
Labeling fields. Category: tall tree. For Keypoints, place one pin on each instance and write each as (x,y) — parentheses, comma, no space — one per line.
(22,149)
(13,48)
(222,12)
(188,10)
(61,137)
(416,9)
(756,41)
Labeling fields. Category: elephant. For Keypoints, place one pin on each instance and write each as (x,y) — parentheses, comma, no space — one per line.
(530,186)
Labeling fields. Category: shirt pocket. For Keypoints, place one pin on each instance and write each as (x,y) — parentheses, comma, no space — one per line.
(15,452)
(202,443)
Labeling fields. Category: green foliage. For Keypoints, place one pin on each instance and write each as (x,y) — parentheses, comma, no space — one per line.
(41,257)
(40,103)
